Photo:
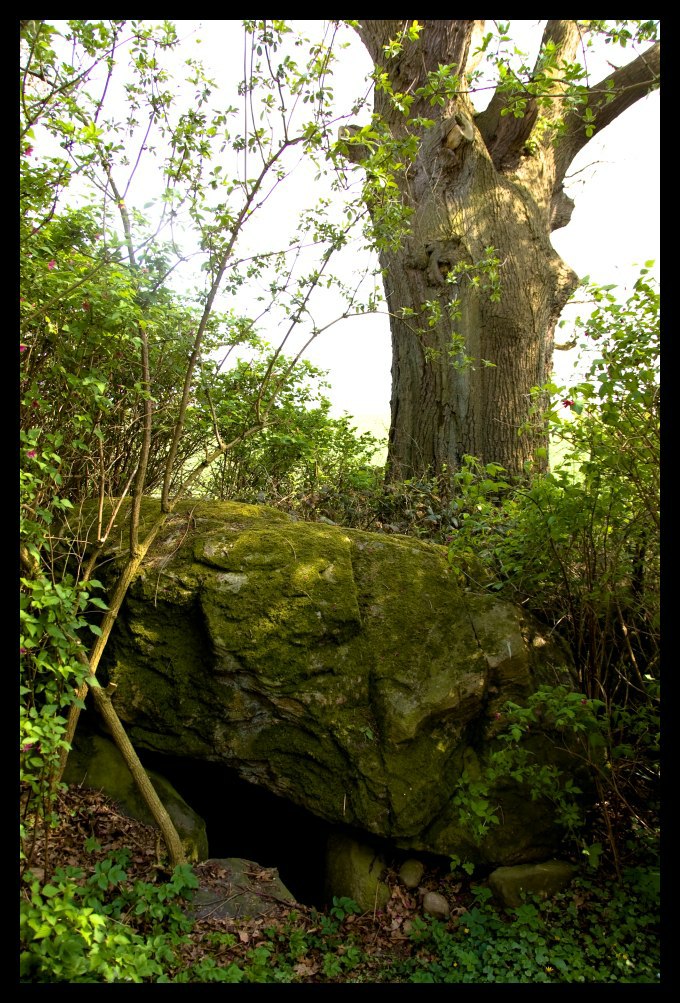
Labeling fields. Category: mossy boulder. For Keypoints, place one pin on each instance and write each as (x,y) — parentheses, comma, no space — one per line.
(344,670)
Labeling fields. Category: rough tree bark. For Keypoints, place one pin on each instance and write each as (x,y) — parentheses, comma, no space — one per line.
(479,181)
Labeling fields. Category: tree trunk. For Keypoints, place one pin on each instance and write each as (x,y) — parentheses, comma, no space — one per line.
(464,365)
(476,289)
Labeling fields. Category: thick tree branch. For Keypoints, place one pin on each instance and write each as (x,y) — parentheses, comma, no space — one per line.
(607,100)
(503,133)
(102,701)
(410,68)
(173,842)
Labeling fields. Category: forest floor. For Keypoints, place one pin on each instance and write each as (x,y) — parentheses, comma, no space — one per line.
(365,948)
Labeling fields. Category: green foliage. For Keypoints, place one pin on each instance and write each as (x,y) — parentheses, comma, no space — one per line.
(51,615)
(80,374)
(586,934)
(598,515)
(322,946)
(552,84)
(103,333)
(343,907)
(348,489)
(54,612)
(301,455)
(571,725)
(101,928)
(104,928)
(583,539)
(620,32)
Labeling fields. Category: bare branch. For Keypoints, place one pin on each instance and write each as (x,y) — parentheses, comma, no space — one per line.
(247,210)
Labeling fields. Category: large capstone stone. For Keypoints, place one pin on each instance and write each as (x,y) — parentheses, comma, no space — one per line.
(343,670)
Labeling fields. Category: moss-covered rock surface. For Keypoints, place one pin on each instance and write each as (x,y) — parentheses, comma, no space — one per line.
(346,671)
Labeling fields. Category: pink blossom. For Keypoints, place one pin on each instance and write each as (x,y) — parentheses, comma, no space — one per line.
(567,402)
(51,264)
(28,151)
(30,454)
(22,348)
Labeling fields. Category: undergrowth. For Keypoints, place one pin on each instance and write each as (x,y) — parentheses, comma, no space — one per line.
(103,928)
